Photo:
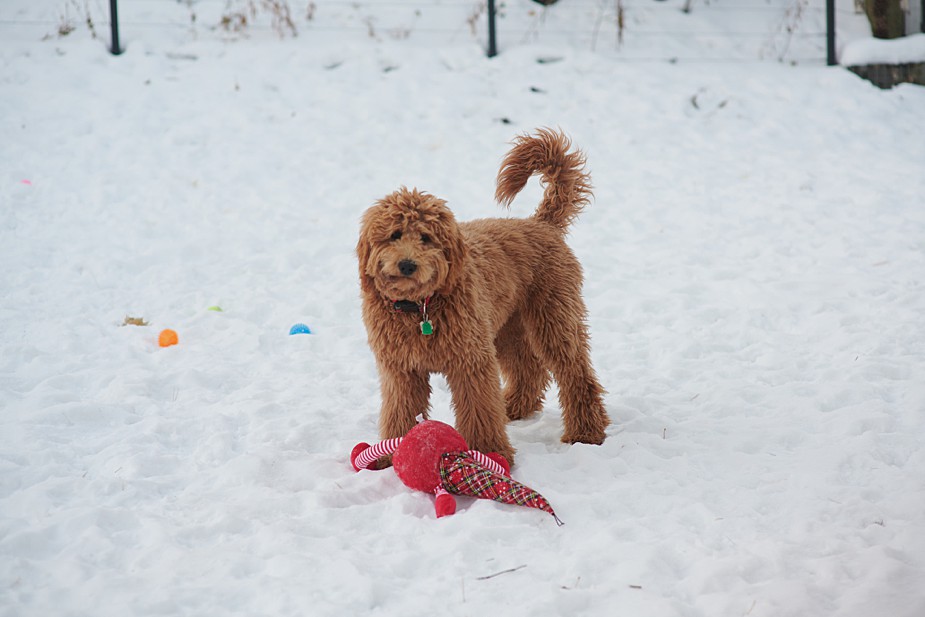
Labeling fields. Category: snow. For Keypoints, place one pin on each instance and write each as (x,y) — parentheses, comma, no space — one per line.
(905,50)
(754,263)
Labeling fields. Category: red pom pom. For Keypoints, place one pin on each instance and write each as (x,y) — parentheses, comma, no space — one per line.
(445,505)
(417,459)
(357,450)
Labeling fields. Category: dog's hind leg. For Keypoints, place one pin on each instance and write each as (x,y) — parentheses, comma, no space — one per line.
(561,338)
(525,376)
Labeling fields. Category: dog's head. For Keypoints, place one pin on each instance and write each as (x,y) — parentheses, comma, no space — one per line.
(410,247)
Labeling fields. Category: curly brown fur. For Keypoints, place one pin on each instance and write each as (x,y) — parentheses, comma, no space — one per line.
(504,298)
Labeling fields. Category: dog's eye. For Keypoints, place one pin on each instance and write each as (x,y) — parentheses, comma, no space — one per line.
(425,238)
(396,235)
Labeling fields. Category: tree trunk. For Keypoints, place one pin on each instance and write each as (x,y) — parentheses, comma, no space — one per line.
(887,20)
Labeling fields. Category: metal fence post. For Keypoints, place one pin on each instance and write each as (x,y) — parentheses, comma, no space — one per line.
(114,21)
(831,60)
(492,46)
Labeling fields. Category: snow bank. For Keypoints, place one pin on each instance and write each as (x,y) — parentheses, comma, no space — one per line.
(905,50)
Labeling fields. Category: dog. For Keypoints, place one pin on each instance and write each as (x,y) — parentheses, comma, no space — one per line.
(480,300)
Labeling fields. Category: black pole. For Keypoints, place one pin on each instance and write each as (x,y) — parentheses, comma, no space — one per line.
(831,60)
(492,46)
(114,20)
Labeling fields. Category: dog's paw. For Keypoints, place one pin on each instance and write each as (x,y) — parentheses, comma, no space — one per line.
(592,437)
(521,407)
(508,454)
(519,413)
(382,463)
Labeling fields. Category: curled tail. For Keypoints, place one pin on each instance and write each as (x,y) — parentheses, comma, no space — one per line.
(567,185)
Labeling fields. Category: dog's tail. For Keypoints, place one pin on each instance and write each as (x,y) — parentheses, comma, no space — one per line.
(567,185)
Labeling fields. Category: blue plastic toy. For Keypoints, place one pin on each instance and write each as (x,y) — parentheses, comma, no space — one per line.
(299,328)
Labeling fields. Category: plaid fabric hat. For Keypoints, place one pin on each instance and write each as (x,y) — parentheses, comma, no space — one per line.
(461,474)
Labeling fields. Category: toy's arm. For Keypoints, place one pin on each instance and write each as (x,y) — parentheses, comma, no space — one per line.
(493,461)
(363,455)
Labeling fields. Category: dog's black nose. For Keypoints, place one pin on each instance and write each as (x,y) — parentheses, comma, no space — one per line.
(407,267)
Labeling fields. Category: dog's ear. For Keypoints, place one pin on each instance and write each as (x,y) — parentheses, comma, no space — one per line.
(364,247)
(363,255)
(454,250)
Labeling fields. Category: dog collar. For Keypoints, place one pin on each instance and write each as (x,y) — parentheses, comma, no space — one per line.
(407,306)
(410,306)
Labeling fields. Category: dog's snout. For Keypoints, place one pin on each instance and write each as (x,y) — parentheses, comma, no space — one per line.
(407,267)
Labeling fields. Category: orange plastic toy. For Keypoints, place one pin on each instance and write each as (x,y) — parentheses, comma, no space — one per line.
(167,338)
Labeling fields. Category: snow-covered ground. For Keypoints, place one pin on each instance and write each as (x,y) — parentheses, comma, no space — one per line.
(755,276)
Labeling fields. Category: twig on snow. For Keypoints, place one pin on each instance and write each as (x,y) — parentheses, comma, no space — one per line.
(485,578)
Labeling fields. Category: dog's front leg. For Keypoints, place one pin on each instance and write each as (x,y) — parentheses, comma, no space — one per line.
(405,395)
(479,405)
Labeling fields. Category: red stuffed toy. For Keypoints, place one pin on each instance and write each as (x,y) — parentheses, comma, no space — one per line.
(433,457)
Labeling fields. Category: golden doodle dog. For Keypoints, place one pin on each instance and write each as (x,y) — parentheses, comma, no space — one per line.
(481,300)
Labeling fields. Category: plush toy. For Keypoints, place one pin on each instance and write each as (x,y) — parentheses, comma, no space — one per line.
(433,457)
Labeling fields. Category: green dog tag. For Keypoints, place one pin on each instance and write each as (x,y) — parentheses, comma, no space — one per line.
(427,327)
